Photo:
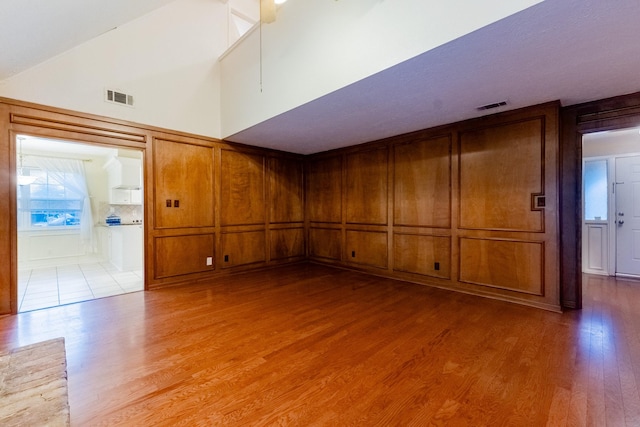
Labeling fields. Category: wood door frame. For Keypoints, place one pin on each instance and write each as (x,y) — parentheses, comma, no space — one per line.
(576,120)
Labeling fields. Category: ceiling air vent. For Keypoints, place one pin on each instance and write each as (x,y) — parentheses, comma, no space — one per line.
(492,106)
(118,97)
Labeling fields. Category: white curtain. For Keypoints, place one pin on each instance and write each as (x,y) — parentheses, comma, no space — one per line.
(72,173)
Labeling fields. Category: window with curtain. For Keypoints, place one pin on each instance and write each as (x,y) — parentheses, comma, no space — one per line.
(58,198)
(50,201)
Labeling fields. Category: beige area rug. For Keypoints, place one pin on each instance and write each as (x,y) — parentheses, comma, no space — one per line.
(33,385)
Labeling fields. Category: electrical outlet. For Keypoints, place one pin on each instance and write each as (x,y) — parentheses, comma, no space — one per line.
(353,254)
(226,258)
(209,260)
(168,203)
(176,203)
(436,266)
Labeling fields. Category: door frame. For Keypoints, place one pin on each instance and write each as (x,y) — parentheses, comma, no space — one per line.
(608,114)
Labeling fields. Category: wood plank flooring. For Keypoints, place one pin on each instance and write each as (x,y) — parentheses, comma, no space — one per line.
(312,345)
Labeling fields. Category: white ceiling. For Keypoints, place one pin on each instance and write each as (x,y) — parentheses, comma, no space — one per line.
(568,50)
(32,31)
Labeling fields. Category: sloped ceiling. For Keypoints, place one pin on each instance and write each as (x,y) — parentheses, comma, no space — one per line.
(32,31)
(568,50)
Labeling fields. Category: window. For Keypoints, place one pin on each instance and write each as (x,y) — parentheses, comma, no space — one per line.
(596,187)
(50,201)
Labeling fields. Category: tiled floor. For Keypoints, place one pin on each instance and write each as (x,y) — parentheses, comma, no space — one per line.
(50,286)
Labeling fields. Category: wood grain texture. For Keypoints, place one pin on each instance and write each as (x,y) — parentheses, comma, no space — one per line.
(418,254)
(500,168)
(182,172)
(324,189)
(286,190)
(242,191)
(513,265)
(367,248)
(286,243)
(243,248)
(311,345)
(367,187)
(177,255)
(422,183)
(8,296)
(325,243)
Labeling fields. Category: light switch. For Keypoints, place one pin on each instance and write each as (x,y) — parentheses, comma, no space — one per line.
(209,260)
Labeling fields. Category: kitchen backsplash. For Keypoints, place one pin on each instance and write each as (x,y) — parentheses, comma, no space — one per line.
(127,213)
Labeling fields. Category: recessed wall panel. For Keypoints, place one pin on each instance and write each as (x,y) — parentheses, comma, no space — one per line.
(501,169)
(426,255)
(506,264)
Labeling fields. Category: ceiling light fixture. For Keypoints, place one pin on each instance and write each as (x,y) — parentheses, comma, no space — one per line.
(23,179)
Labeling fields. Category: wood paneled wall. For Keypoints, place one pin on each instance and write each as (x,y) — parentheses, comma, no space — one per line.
(470,207)
(240,206)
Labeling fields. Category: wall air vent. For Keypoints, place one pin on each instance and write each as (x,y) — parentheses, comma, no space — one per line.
(492,106)
(118,97)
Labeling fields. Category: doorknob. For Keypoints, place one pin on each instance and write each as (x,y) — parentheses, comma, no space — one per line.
(620,222)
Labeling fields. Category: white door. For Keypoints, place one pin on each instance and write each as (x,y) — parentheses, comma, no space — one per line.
(627,219)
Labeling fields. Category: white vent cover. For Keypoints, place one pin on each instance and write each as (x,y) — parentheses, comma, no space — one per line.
(118,97)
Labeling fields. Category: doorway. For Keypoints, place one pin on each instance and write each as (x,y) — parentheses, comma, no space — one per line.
(611,203)
(79,222)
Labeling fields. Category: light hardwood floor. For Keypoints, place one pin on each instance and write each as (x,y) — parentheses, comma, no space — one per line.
(312,345)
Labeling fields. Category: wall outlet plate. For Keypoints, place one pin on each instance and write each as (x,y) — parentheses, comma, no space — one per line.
(209,260)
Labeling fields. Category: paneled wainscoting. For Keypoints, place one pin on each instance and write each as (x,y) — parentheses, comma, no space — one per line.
(314,345)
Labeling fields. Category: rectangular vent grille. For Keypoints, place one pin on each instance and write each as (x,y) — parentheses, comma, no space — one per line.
(492,106)
(118,97)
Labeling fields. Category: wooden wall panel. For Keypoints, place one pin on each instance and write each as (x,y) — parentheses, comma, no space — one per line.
(325,243)
(507,264)
(8,294)
(501,168)
(179,255)
(242,188)
(243,248)
(366,187)
(419,254)
(286,243)
(422,183)
(286,183)
(368,248)
(324,190)
(183,172)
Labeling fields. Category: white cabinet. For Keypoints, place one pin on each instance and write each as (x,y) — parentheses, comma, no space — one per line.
(124,180)
(122,245)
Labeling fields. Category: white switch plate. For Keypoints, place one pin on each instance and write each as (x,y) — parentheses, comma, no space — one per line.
(209,260)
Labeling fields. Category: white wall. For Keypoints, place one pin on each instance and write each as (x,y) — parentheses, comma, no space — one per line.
(166,59)
(611,143)
(318,46)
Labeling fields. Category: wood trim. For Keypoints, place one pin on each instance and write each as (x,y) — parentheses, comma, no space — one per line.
(576,120)
(93,130)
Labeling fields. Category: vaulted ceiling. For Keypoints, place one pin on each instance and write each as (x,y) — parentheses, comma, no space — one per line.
(571,50)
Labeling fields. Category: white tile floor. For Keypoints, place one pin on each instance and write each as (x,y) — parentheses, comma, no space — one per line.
(51,286)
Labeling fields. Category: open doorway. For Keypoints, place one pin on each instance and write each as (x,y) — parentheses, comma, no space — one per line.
(611,203)
(79,222)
